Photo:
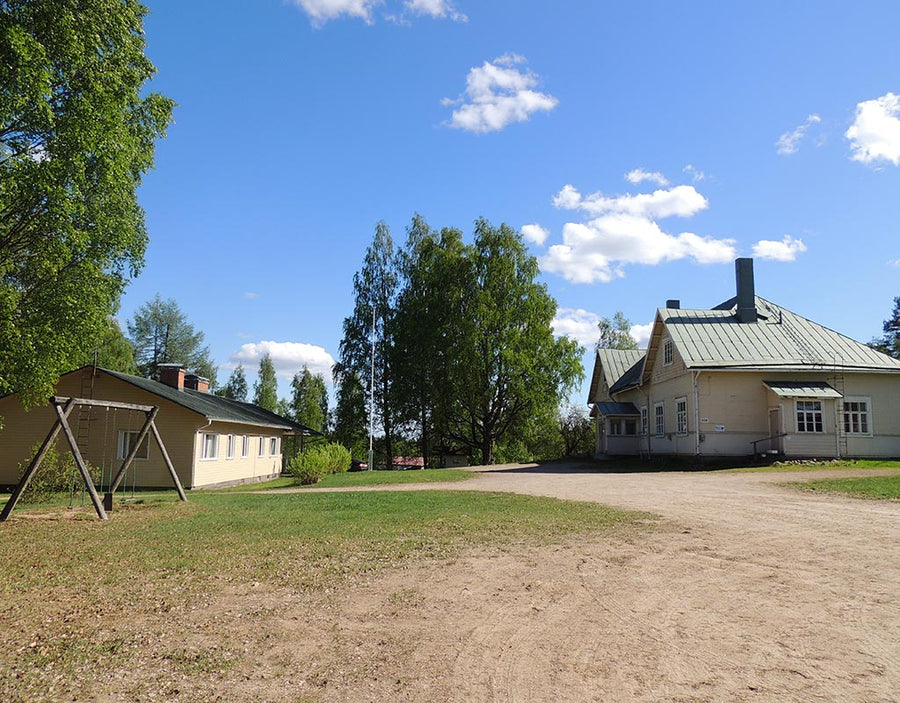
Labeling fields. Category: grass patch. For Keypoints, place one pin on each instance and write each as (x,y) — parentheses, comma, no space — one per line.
(82,596)
(389,478)
(880,487)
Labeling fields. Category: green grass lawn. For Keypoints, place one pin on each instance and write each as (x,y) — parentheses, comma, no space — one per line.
(360,478)
(882,487)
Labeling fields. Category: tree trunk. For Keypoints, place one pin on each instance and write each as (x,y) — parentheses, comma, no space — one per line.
(487,450)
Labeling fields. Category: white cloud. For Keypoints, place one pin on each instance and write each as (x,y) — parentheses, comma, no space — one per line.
(535,234)
(624,230)
(320,11)
(576,324)
(894,262)
(681,201)
(250,295)
(435,8)
(875,133)
(695,174)
(788,143)
(288,358)
(641,334)
(785,250)
(639,175)
(498,94)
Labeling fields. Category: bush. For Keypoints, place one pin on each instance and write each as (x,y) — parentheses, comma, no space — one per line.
(319,461)
(54,475)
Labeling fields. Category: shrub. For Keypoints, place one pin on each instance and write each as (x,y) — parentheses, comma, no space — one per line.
(54,475)
(317,462)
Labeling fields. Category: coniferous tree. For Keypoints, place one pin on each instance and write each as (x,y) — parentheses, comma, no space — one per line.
(351,425)
(161,334)
(236,386)
(265,390)
(889,342)
(309,400)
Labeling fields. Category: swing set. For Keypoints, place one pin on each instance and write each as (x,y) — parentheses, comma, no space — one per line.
(64,407)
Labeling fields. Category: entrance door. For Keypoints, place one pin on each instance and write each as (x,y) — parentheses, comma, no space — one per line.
(776,429)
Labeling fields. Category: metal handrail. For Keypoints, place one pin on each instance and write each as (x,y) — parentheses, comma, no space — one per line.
(767,439)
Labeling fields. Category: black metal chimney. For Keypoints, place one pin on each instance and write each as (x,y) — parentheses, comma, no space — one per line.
(746,293)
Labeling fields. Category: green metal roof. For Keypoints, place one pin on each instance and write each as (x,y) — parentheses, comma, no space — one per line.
(214,407)
(802,389)
(610,365)
(780,339)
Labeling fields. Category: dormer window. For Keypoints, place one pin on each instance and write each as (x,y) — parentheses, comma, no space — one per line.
(668,353)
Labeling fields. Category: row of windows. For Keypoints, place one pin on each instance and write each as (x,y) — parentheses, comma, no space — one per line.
(210,446)
(856,418)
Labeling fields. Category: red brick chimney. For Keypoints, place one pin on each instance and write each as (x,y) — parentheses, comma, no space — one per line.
(172,375)
(196,383)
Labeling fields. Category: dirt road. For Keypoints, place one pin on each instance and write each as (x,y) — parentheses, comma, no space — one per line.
(745,591)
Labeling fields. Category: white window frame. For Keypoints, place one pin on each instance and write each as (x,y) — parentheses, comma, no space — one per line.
(262,447)
(668,353)
(274,446)
(681,415)
(245,446)
(230,446)
(645,421)
(209,440)
(861,415)
(659,419)
(126,437)
(808,414)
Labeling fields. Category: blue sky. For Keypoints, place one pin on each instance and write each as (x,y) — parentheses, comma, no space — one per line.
(639,146)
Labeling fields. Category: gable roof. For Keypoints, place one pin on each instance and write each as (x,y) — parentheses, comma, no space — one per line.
(778,340)
(214,407)
(610,365)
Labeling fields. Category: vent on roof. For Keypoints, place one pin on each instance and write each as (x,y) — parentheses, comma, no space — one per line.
(196,383)
(746,293)
(673,304)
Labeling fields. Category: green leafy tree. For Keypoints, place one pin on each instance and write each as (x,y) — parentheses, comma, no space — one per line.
(265,390)
(161,334)
(375,295)
(428,304)
(576,430)
(309,400)
(113,351)
(77,133)
(351,412)
(889,342)
(615,333)
(507,364)
(235,387)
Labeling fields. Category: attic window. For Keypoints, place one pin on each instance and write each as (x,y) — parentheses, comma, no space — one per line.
(668,353)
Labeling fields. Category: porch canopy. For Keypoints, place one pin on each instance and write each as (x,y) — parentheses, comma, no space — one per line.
(802,389)
(617,410)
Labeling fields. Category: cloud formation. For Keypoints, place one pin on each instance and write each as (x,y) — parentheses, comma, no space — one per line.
(639,175)
(695,174)
(497,94)
(785,250)
(288,358)
(322,11)
(535,234)
(789,142)
(875,133)
(624,230)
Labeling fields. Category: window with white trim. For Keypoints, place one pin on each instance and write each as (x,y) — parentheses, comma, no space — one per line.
(210,446)
(668,353)
(127,438)
(230,446)
(262,446)
(645,421)
(245,447)
(273,446)
(659,417)
(681,415)
(620,426)
(856,416)
(809,416)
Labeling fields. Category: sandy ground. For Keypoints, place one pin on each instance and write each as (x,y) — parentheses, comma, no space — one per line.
(741,591)
(744,591)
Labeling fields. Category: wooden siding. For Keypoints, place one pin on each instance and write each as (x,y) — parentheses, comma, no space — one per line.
(222,470)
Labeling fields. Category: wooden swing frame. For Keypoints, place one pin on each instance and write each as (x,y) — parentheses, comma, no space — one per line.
(64,407)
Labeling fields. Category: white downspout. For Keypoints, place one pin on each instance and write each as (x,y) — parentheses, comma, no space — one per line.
(696,375)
